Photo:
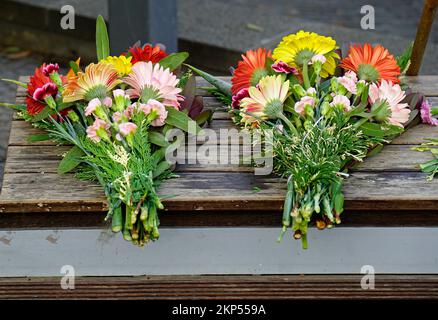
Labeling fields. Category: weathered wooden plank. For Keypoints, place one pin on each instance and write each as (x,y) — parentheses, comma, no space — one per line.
(266,287)
(32,185)
(45,159)
(219,191)
(21,131)
(428,85)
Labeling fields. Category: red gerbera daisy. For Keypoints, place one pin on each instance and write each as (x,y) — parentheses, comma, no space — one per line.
(147,53)
(250,70)
(372,64)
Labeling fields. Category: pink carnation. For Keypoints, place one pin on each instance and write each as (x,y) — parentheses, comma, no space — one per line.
(129,111)
(343,101)
(117,116)
(300,105)
(108,102)
(127,128)
(283,67)
(158,107)
(92,106)
(319,58)
(243,93)
(92,131)
(349,81)
(426,114)
(119,93)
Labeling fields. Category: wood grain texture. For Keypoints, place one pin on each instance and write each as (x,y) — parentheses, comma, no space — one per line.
(239,287)
(388,182)
(218,191)
(45,159)
(428,85)
(21,131)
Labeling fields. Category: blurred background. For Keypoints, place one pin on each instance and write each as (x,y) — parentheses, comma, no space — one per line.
(215,32)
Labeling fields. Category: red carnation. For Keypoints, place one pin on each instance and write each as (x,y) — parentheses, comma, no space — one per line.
(49,89)
(39,87)
(147,53)
(50,68)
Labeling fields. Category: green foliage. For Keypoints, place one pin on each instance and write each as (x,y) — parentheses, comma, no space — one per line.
(314,161)
(223,98)
(430,167)
(223,86)
(38,138)
(17,83)
(71,160)
(102,39)
(16,107)
(74,66)
(404,61)
(181,121)
(174,60)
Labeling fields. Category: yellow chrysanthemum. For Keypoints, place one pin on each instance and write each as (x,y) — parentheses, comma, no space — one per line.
(298,48)
(122,64)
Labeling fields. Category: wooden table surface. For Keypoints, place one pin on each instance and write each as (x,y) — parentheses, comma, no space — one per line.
(387,189)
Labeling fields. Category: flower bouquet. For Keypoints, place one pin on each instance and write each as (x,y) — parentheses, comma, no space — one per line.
(115,114)
(323,113)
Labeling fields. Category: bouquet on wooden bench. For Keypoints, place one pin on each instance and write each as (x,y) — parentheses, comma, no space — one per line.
(115,114)
(324,113)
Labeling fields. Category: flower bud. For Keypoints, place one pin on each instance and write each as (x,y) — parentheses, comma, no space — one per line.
(299,90)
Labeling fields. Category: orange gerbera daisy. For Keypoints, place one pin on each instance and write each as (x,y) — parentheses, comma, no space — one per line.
(251,69)
(372,64)
(95,82)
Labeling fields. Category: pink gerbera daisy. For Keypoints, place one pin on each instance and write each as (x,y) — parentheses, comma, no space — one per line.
(397,112)
(148,81)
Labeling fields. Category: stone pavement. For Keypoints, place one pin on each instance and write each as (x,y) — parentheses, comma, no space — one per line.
(238,25)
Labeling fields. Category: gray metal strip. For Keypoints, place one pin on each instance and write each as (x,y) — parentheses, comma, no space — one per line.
(198,251)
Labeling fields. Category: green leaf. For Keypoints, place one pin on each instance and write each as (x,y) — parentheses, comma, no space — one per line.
(38,138)
(74,66)
(47,111)
(102,39)
(18,83)
(174,60)
(204,117)
(159,155)
(375,150)
(72,159)
(158,139)
(404,61)
(380,131)
(339,203)
(182,121)
(221,85)
(17,107)
(161,168)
